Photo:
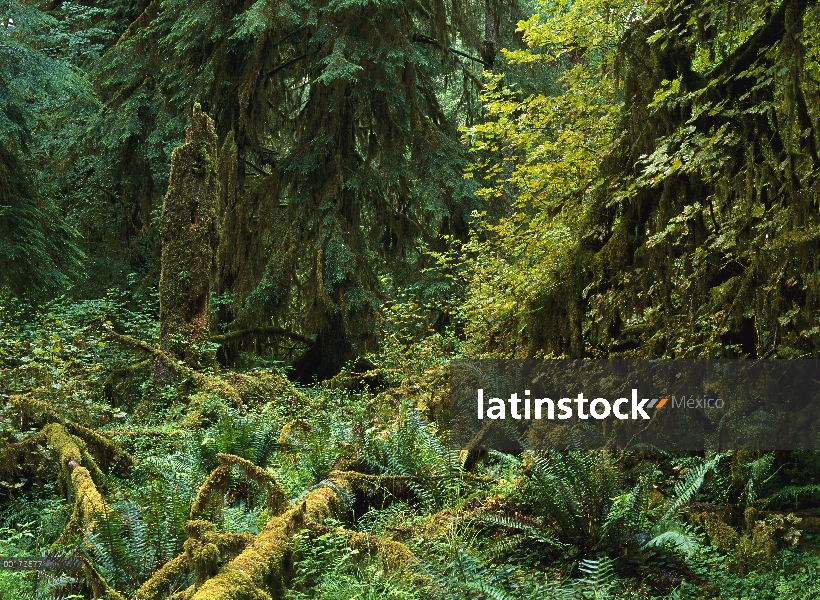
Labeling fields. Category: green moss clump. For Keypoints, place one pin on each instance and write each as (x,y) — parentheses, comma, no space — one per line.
(722,536)
(201,549)
(160,582)
(257,388)
(394,555)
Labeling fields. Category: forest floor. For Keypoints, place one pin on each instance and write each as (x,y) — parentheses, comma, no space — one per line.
(234,483)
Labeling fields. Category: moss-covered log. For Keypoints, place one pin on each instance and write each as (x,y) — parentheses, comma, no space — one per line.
(204,383)
(99,586)
(71,453)
(262,565)
(245,389)
(208,501)
(88,504)
(76,479)
(32,411)
(188,228)
(200,533)
(260,570)
(394,556)
(108,456)
(210,496)
(161,582)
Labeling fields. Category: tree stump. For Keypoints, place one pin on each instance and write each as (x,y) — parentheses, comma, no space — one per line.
(188,230)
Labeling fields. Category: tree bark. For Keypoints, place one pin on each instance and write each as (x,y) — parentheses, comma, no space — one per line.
(188,228)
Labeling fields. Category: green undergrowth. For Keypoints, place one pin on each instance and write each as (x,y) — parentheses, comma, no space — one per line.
(557,524)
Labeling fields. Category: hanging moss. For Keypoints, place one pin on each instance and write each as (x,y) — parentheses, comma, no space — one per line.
(188,229)
(314,206)
(765,533)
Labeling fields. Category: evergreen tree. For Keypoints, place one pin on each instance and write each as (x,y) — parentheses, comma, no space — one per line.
(345,160)
(39,94)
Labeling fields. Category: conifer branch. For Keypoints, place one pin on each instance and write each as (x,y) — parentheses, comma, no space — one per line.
(232,335)
(424,39)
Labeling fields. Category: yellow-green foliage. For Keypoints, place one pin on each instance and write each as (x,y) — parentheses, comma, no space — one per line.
(757,545)
(540,155)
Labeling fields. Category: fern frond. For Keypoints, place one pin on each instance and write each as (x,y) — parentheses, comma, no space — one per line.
(795,491)
(686,489)
(599,575)
(673,534)
(758,469)
(529,529)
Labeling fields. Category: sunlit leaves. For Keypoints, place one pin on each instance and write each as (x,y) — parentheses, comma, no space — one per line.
(539,155)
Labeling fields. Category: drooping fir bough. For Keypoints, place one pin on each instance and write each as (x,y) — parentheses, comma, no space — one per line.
(345,158)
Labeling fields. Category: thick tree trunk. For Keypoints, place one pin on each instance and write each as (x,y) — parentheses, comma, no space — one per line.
(188,228)
(327,355)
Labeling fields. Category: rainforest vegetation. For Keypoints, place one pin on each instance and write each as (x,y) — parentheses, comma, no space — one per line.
(241,242)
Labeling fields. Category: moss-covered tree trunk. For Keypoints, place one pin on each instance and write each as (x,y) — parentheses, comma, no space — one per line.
(188,228)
